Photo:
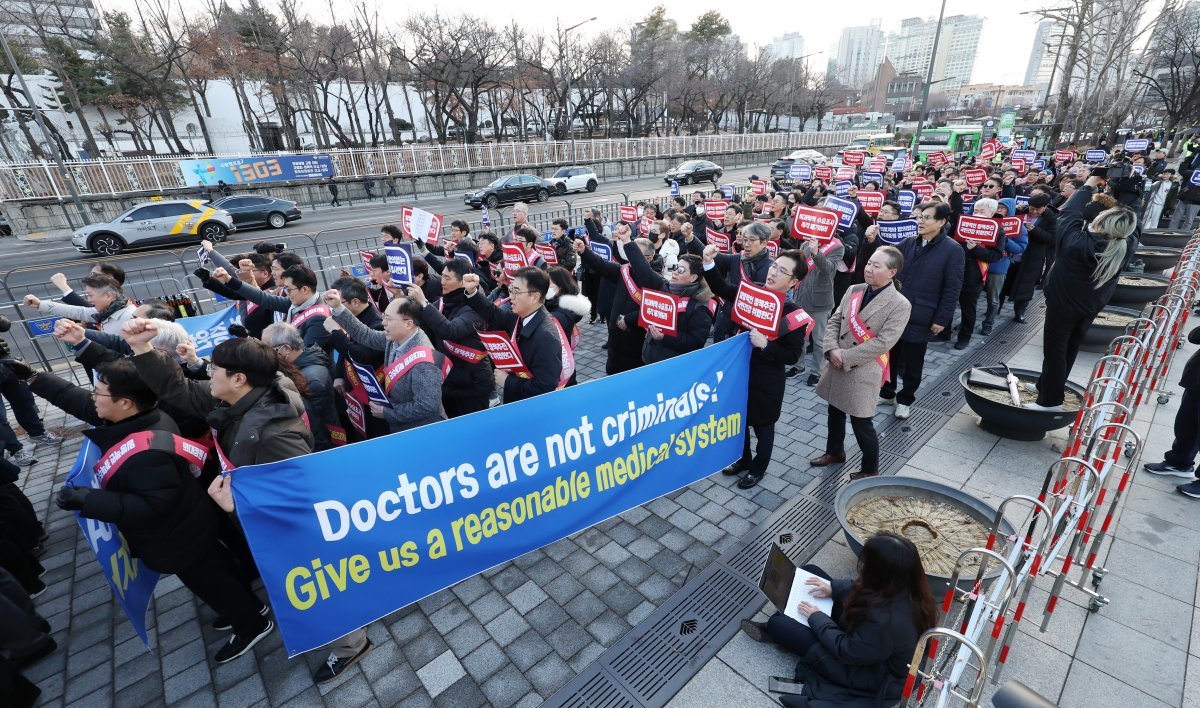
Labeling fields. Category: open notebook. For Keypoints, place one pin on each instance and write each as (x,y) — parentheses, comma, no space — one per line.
(783,584)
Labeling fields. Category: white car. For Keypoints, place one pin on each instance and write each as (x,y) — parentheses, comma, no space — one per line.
(574,179)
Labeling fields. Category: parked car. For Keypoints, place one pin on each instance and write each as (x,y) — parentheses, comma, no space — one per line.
(574,179)
(804,156)
(694,171)
(506,190)
(250,211)
(167,222)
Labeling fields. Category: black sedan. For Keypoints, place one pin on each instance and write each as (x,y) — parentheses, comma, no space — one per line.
(694,171)
(506,190)
(250,211)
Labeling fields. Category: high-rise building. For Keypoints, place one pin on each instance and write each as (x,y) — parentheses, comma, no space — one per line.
(910,49)
(69,19)
(859,52)
(1047,48)
(789,46)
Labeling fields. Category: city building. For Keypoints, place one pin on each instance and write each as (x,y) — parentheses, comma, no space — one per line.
(875,92)
(789,46)
(23,19)
(1048,49)
(910,49)
(859,51)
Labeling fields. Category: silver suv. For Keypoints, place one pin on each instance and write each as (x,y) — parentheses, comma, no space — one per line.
(159,223)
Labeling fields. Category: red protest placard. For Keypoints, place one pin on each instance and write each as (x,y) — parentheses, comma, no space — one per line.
(503,354)
(1011,226)
(420,225)
(366,257)
(514,258)
(714,209)
(823,173)
(854,158)
(773,249)
(871,201)
(660,310)
(923,188)
(718,239)
(878,164)
(847,173)
(1064,156)
(758,186)
(629,213)
(758,308)
(808,222)
(981,230)
(547,252)
(1018,164)
(975,177)
(937,159)
(987,151)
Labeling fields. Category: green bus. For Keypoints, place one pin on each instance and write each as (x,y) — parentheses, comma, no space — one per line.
(962,141)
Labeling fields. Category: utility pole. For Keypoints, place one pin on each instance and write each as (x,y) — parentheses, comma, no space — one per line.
(937,37)
(64,173)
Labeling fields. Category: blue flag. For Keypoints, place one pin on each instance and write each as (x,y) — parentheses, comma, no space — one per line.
(207,331)
(422,510)
(131,581)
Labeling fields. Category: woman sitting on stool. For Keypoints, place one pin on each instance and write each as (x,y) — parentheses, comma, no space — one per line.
(860,655)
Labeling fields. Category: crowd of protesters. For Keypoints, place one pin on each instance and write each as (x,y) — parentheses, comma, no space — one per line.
(859,307)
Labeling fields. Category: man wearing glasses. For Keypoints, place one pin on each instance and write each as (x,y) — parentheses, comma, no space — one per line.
(302,305)
(751,263)
(931,280)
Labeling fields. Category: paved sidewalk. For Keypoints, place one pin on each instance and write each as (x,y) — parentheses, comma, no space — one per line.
(1140,651)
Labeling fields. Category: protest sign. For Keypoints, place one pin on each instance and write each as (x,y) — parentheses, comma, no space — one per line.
(1019,165)
(987,151)
(504,354)
(878,164)
(800,173)
(420,225)
(810,222)
(871,201)
(728,191)
(400,263)
(876,177)
(899,163)
(356,413)
(131,581)
(823,173)
(629,213)
(937,159)
(1095,156)
(485,217)
(1137,145)
(714,209)
(847,173)
(758,186)
(547,252)
(514,258)
(1195,178)
(371,386)
(842,187)
(1011,225)
(854,157)
(1028,155)
(601,249)
(907,199)
(897,232)
(975,177)
(659,309)
(423,511)
(1064,156)
(718,239)
(758,308)
(981,230)
(846,208)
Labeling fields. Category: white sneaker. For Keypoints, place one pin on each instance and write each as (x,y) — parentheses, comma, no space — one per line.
(887,401)
(1030,386)
(1050,409)
(902,411)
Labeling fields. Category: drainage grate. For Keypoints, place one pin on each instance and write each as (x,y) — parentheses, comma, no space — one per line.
(655,659)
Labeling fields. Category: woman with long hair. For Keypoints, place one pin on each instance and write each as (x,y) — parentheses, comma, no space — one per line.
(1089,260)
(860,652)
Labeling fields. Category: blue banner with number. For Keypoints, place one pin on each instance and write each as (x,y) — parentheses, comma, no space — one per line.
(131,581)
(207,331)
(428,507)
(252,170)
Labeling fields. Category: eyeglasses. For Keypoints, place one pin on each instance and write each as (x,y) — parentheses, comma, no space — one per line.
(97,394)
(751,239)
(775,268)
(291,288)
(680,269)
(991,186)
(514,291)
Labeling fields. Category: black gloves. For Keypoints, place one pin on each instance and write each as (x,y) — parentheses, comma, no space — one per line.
(239,331)
(71,498)
(203,274)
(18,367)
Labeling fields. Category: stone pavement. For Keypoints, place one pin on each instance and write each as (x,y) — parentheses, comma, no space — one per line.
(510,636)
(1142,650)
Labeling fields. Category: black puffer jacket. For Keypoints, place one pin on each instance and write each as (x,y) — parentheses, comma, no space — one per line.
(694,322)
(264,426)
(452,320)
(152,498)
(1069,287)
(315,365)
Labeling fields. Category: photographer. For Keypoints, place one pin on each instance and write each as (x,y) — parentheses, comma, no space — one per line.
(1125,185)
(1188,205)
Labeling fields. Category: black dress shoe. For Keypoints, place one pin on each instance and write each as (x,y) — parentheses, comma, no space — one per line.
(748,481)
(960,344)
(812,379)
(735,469)
(756,631)
(862,475)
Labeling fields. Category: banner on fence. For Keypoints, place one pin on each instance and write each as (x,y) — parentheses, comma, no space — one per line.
(254,170)
(423,512)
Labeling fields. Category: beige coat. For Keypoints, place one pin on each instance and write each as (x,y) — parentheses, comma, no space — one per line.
(855,388)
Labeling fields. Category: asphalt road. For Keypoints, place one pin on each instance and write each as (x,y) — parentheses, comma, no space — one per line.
(28,266)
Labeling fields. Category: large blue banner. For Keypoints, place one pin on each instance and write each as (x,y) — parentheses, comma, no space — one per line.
(132,582)
(207,331)
(349,535)
(252,170)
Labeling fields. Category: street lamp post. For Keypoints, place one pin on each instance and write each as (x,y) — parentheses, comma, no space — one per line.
(567,77)
(937,37)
